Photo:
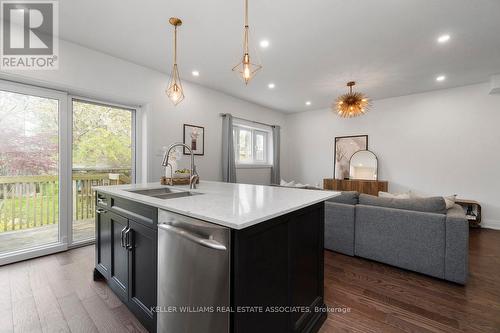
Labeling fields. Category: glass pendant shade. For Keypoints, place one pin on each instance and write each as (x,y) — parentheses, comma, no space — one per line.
(175,91)
(246,69)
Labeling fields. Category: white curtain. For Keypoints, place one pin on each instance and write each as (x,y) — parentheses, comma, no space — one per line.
(228,161)
(275,171)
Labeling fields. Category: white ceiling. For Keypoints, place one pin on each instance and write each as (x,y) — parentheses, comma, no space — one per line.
(387,46)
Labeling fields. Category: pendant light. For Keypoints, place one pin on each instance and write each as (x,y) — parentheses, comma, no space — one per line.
(352,104)
(246,69)
(174,90)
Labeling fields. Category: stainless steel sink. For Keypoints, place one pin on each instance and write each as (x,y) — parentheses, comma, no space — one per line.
(163,193)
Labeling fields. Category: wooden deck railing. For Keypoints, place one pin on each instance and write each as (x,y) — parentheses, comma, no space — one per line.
(32,201)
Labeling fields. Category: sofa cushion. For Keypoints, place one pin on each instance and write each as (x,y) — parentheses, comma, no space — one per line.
(407,239)
(346,197)
(428,205)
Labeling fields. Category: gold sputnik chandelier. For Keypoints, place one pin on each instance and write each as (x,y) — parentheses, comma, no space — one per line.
(246,69)
(352,104)
(174,90)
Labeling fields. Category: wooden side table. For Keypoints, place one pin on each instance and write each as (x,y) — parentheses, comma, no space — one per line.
(472,210)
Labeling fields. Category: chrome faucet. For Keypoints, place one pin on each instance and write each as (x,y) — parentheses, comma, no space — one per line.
(194,175)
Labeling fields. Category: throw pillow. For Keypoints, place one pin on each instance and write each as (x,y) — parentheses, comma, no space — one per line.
(450,200)
(394,195)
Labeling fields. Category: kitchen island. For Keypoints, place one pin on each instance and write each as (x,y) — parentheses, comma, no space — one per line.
(219,258)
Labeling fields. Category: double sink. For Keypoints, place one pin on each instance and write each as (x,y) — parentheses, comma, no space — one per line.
(163,193)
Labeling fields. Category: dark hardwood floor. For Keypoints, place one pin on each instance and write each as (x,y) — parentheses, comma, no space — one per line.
(382,298)
(56,294)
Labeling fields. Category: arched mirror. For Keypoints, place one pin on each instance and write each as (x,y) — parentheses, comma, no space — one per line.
(363,165)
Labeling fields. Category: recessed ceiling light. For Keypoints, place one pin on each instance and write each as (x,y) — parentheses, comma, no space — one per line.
(271,85)
(195,73)
(264,43)
(308,103)
(441,78)
(443,38)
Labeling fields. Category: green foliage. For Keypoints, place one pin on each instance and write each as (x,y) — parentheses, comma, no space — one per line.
(101,136)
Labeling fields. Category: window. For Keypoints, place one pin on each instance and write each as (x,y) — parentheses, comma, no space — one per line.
(251,145)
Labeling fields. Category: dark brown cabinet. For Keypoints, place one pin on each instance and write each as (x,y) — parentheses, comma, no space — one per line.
(126,258)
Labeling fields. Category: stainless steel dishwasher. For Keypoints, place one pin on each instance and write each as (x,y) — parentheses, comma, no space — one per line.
(193,275)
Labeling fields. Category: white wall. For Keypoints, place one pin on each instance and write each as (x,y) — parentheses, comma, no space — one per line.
(439,142)
(92,74)
(435,143)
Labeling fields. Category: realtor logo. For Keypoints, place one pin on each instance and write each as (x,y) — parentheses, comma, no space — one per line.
(29,35)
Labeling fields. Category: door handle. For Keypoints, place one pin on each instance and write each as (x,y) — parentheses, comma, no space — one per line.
(128,246)
(210,243)
(100,211)
(122,240)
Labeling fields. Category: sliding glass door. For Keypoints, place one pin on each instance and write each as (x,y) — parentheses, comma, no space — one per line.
(30,169)
(53,151)
(103,154)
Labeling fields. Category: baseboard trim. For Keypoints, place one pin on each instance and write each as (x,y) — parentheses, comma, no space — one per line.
(490,224)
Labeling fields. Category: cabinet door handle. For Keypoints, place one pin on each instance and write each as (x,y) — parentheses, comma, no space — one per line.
(122,240)
(128,237)
(100,211)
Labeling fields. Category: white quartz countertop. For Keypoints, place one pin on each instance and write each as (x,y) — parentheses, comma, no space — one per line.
(232,205)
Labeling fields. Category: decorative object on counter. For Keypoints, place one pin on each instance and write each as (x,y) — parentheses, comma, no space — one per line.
(352,104)
(181,173)
(345,147)
(194,137)
(176,181)
(472,210)
(179,177)
(246,69)
(363,165)
(371,187)
(175,91)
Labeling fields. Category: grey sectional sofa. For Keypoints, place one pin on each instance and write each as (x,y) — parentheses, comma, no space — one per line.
(415,234)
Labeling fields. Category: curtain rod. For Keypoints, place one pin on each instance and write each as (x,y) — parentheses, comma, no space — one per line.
(250,121)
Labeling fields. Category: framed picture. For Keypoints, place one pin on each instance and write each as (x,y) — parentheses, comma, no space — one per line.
(194,137)
(345,147)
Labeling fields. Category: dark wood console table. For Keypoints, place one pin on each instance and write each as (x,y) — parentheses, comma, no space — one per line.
(371,187)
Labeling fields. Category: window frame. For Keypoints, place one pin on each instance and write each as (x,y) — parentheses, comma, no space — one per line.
(254,131)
